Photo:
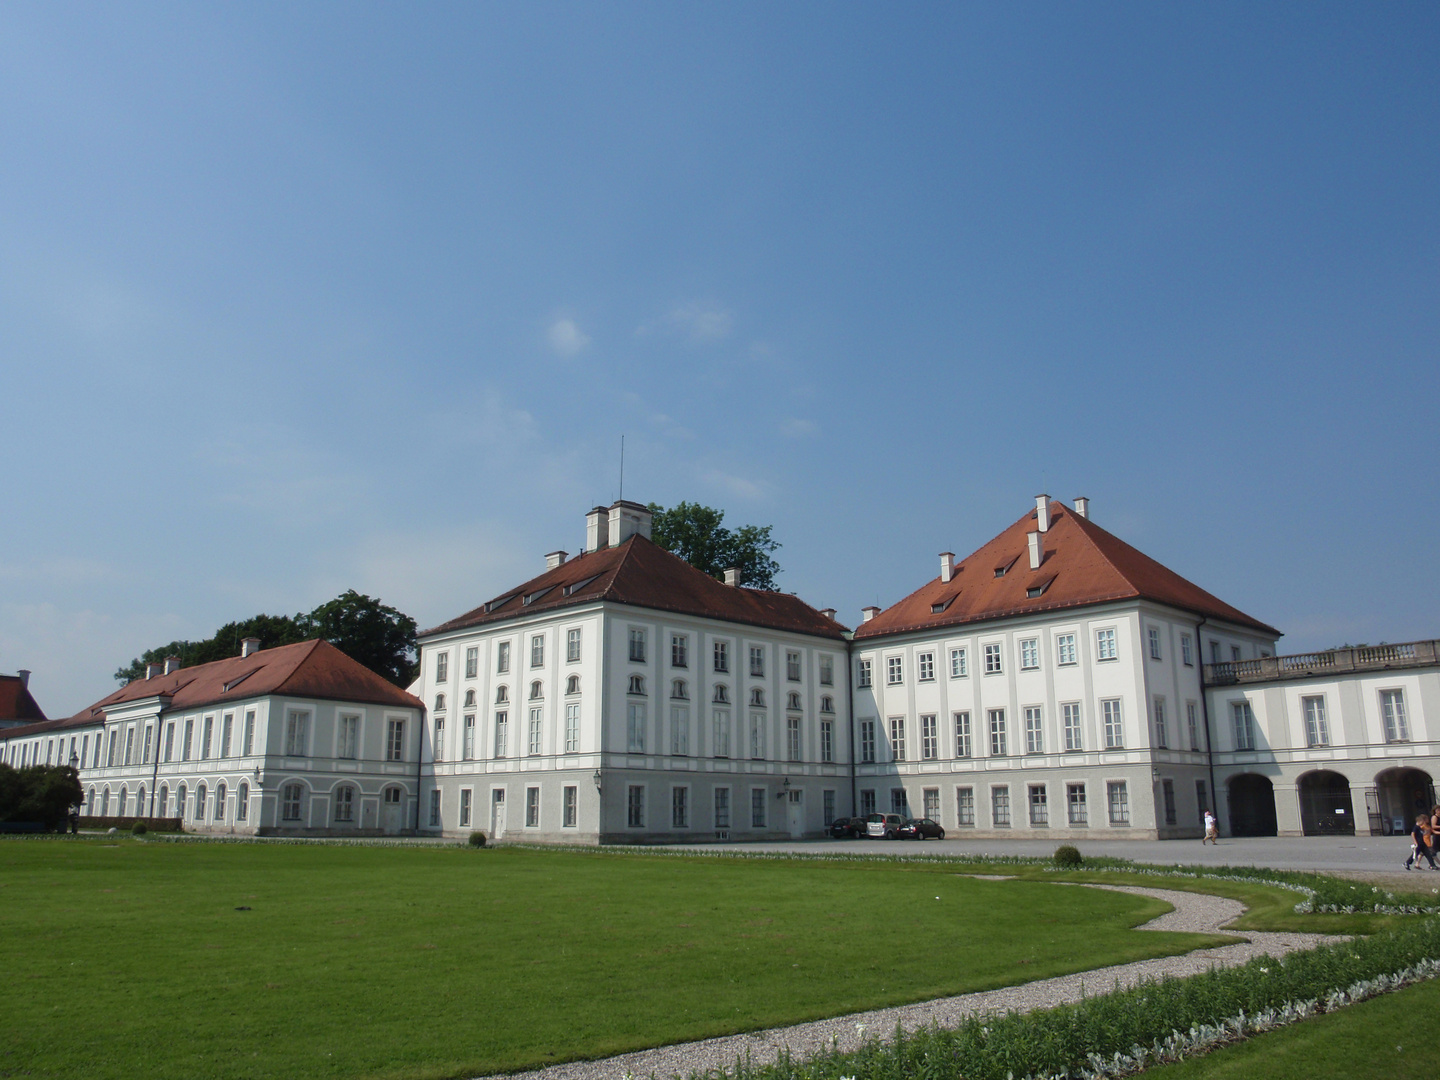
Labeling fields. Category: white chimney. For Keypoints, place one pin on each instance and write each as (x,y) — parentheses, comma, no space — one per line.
(626,519)
(152,669)
(947,565)
(556,558)
(1042,512)
(1037,550)
(24,678)
(828,612)
(732,576)
(868,613)
(597,529)
(1082,507)
(172,664)
(249,646)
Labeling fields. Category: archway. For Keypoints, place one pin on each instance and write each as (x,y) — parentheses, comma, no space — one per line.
(1325,806)
(1397,797)
(1252,805)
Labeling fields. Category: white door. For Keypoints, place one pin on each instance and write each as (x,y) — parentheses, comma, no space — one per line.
(497,814)
(795,808)
(390,816)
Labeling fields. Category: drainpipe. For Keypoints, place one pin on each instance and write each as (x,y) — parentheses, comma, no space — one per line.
(155,776)
(419,769)
(850,708)
(1205,714)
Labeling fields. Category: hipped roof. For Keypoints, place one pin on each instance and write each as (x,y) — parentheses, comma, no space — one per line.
(16,702)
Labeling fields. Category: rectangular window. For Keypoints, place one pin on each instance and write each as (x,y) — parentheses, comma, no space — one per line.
(395,740)
(962,735)
(721,722)
(502,658)
(635,806)
(792,666)
(862,673)
(227,728)
(169,744)
(442,667)
(997,733)
(297,733)
(242,803)
(722,808)
(1118,797)
(1065,649)
(1392,710)
(1075,803)
(537,650)
(680,730)
(828,801)
(472,661)
(679,808)
(532,807)
(1234,654)
(757,661)
(1105,648)
(929,738)
(205,743)
(533,745)
(502,731)
(1167,792)
(1187,651)
(435,807)
(925,663)
(721,655)
(1114,726)
(827,740)
(1244,722)
(1000,807)
(757,736)
(1039,807)
(1317,730)
(827,671)
(965,807)
(867,803)
(792,737)
(438,741)
(249,732)
(894,670)
(1029,654)
(930,798)
(465,801)
(635,728)
(291,795)
(1214,652)
(572,728)
(1034,730)
(349,737)
(1154,643)
(897,738)
(1202,797)
(899,804)
(572,645)
(1070,714)
(959,664)
(867,741)
(757,808)
(679,650)
(1157,717)
(1192,724)
(145,749)
(468,747)
(993,665)
(571,800)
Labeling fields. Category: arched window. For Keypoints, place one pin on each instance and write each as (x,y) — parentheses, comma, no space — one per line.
(572,684)
(164,800)
(792,700)
(242,802)
(722,695)
(679,690)
(124,798)
(344,805)
(180,802)
(105,802)
(200,802)
(502,694)
(220,801)
(439,702)
(827,704)
(90,803)
(757,696)
(536,691)
(637,685)
(140,802)
(469,699)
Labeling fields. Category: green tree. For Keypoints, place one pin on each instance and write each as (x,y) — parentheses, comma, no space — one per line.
(43,793)
(697,535)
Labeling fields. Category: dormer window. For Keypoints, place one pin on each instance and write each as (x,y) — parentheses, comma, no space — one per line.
(679,690)
(502,695)
(792,700)
(1038,589)
(495,605)
(536,595)
(570,590)
(757,696)
(1001,570)
(469,699)
(939,607)
(637,685)
(722,695)
(572,684)
(827,704)
(439,702)
(536,691)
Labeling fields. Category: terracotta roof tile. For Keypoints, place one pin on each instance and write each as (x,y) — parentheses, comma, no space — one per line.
(1083,564)
(644,574)
(16,702)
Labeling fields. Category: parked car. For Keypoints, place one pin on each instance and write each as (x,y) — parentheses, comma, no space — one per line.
(883,826)
(847,828)
(921,828)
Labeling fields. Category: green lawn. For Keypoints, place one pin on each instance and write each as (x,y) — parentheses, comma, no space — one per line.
(126,958)
(1385,1038)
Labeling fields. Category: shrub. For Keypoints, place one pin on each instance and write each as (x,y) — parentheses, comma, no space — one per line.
(1067,856)
(139,829)
(477,839)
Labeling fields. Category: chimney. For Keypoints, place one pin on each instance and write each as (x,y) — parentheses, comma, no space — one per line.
(556,558)
(868,613)
(172,664)
(597,529)
(732,576)
(1037,550)
(24,678)
(828,612)
(947,565)
(152,669)
(1082,507)
(249,646)
(1042,512)
(626,519)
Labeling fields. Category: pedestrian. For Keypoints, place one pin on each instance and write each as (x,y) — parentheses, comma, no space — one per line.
(1212,830)
(1420,842)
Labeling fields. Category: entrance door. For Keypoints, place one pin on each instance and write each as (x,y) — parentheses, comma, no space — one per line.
(390,813)
(795,808)
(497,814)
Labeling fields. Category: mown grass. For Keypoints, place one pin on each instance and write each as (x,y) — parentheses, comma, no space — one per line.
(1385,1038)
(129,958)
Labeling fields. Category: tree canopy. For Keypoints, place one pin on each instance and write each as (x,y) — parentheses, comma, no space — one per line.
(377,635)
(697,535)
(39,793)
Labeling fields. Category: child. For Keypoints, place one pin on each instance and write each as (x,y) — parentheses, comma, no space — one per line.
(1420,843)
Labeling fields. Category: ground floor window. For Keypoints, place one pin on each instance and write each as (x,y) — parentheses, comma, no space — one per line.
(1167,792)
(290,799)
(532,807)
(965,806)
(635,806)
(757,808)
(1118,797)
(1000,807)
(199,802)
(1075,800)
(344,804)
(722,808)
(932,803)
(465,801)
(679,808)
(867,803)
(242,801)
(829,801)
(1039,806)
(571,798)
(435,807)
(899,804)
(1202,797)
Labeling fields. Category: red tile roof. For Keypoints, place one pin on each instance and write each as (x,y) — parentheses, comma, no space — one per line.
(16,702)
(643,574)
(1083,564)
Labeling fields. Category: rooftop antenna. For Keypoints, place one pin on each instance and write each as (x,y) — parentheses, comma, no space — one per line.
(622,469)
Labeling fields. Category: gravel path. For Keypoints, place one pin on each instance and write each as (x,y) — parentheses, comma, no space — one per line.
(1193,913)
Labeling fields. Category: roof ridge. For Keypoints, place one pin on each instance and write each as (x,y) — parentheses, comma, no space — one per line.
(1085,532)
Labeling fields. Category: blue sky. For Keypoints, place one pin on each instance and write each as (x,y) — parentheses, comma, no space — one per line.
(297,298)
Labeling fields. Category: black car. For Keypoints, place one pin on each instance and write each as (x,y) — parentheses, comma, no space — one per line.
(921,828)
(847,828)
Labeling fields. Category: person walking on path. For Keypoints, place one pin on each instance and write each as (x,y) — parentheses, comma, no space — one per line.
(1420,842)
(1212,830)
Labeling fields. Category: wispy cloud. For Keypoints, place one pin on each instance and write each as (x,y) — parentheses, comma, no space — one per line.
(698,322)
(795,428)
(736,485)
(565,338)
